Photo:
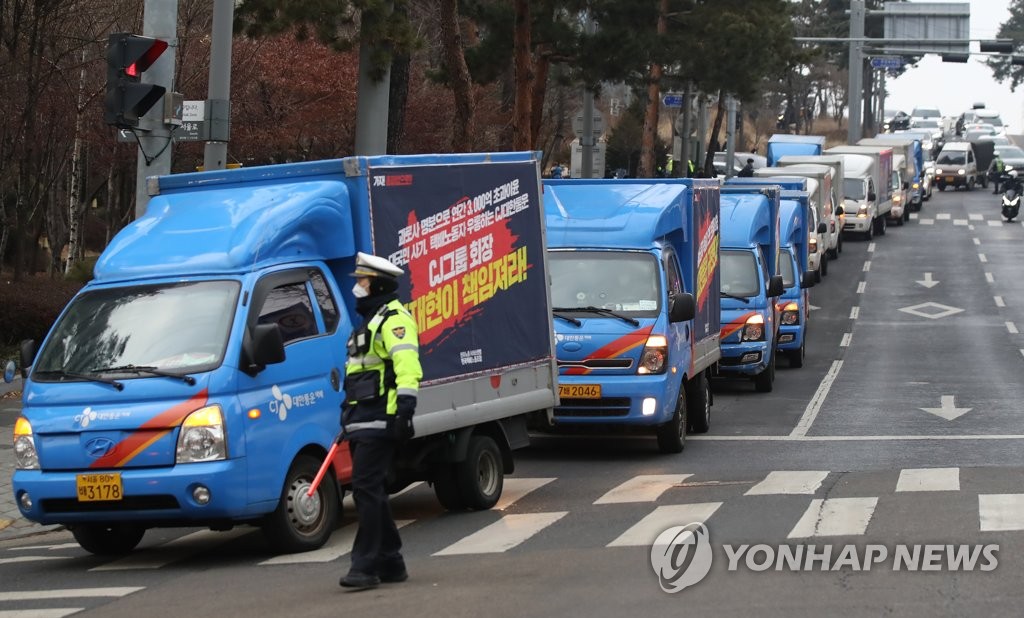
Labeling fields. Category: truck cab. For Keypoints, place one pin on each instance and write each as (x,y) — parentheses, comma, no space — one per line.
(793,305)
(784,144)
(634,287)
(750,282)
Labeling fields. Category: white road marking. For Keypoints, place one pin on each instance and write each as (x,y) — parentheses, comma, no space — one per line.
(337,546)
(971,227)
(871,247)
(927,221)
(961,222)
(30,559)
(642,488)
(861,286)
(929,479)
(502,535)
(981,256)
(845,343)
(814,405)
(992,223)
(803,438)
(989,278)
(974,216)
(51,612)
(69,593)
(854,313)
(516,488)
(999,301)
(1022,352)
(173,551)
(1010,326)
(49,547)
(976,241)
(647,529)
(913,216)
(789,482)
(867,266)
(943,216)
(1001,512)
(834,517)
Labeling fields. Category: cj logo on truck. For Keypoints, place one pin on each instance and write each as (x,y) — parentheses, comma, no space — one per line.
(681,556)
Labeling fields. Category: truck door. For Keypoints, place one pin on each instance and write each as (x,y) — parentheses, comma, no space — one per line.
(678,332)
(302,393)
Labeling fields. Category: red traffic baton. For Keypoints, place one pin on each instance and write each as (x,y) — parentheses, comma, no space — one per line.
(323,468)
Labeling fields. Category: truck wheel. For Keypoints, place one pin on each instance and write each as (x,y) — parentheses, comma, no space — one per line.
(108,539)
(970,184)
(765,380)
(796,357)
(446,488)
(906,214)
(839,245)
(302,523)
(942,187)
(481,476)
(868,235)
(899,222)
(698,399)
(672,435)
(824,266)
(880,225)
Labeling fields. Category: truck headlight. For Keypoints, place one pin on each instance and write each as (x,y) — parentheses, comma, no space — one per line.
(916,185)
(862,212)
(25,445)
(753,330)
(896,199)
(790,314)
(202,436)
(655,355)
(961,172)
(812,245)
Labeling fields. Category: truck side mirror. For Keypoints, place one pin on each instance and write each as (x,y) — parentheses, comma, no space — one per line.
(872,197)
(775,287)
(822,228)
(808,279)
(265,347)
(29,347)
(682,307)
(906,185)
(9,372)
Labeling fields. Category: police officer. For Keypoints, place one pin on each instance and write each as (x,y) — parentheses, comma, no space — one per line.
(998,169)
(747,171)
(382,377)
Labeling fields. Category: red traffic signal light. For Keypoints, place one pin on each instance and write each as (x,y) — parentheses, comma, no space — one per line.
(128,56)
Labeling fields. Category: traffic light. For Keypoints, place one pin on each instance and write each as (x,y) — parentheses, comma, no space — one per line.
(998,47)
(956,57)
(1017,61)
(128,56)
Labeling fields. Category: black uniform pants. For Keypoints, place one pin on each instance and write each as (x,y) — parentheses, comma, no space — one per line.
(377,544)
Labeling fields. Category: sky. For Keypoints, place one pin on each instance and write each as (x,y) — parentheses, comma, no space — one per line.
(954,87)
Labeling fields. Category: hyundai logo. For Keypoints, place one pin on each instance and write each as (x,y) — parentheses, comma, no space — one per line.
(98,447)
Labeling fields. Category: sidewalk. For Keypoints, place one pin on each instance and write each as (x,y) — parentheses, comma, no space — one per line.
(12,524)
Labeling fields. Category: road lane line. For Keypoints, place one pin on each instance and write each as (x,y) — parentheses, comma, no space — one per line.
(861,286)
(502,535)
(929,479)
(814,405)
(998,223)
(48,547)
(961,222)
(854,313)
(789,482)
(999,301)
(642,488)
(974,216)
(871,247)
(50,612)
(337,546)
(69,593)
(1001,512)
(867,266)
(835,517)
(981,256)
(645,531)
(976,241)
(802,438)
(173,551)
(990,278)
(927,221)
(845,343)
(1010,326)
(943,216)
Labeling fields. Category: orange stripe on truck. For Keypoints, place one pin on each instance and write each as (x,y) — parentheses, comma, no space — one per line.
(150,431)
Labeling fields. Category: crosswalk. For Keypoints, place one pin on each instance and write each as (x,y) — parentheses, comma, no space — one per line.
(993,219)
(806,504)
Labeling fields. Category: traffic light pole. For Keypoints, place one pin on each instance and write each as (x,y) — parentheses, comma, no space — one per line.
(216,153)
(855,70)
(154,157)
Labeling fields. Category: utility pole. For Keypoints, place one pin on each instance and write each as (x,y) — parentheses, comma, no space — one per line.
(730,134)
(373,99)
(219,93)
(154,158)
(587,139)
(856,68)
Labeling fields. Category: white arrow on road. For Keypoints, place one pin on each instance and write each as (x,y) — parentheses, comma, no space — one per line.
(928,281)
(947,409)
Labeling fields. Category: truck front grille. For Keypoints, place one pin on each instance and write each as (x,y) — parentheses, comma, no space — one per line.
(54,506)
(604,407)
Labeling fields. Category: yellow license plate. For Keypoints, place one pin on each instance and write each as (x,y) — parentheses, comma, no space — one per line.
(950,178)
(579,391)
(99,487)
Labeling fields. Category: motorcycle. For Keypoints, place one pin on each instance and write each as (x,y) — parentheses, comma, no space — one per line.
(1011,197)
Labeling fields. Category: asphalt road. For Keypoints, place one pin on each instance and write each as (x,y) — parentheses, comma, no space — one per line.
(902,431)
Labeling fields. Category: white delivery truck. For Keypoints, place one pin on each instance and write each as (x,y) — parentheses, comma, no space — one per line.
(828,169)
(866,187)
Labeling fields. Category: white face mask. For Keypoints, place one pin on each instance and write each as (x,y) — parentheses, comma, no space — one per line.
(359,291)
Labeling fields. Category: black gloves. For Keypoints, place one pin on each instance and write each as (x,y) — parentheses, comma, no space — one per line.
(401,426)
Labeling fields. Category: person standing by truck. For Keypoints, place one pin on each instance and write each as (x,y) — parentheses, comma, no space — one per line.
(382,377)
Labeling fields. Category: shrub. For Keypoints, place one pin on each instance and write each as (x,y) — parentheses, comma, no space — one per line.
(28,308)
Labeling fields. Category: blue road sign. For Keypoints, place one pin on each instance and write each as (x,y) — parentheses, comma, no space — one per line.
(887,62)
(672,100)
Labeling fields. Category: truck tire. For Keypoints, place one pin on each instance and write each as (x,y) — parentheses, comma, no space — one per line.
(764,381)
(446,488)
(906,214)
(839,245)
(880,225)
(301,523)
(868,235)
(108,539)
(942,187)
(698,399)
(672,435)
(796,357)
(824,265)
(481,476)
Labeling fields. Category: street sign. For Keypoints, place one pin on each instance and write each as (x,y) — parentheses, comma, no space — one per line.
(672,99)
(887,62)
(577,123)
(191,131)
(193,111)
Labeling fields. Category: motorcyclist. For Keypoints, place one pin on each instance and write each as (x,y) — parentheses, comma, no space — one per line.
(1010,180)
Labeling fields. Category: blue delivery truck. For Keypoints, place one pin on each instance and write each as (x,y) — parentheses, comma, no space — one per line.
(750,282)
(197,379)
(634,286)
(797,279)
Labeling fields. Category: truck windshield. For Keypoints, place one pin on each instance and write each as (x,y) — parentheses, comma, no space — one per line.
(177,328)
(739,274)
(786,269)
(952,158)
(853,188)
(623,281)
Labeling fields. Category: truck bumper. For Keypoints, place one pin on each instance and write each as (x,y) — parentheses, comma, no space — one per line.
(162,496)
(791,337)
(749,358)
(857,224)
(896,212)
(623,401)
